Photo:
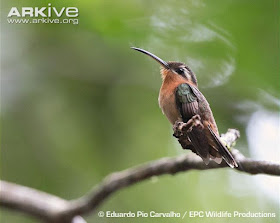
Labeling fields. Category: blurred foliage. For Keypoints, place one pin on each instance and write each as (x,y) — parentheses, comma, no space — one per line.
(78,104)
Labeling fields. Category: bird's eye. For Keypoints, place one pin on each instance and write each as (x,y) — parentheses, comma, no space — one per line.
(180,71)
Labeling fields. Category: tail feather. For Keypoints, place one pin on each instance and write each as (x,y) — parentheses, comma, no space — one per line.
(223,150)
(217,160)
(200,144)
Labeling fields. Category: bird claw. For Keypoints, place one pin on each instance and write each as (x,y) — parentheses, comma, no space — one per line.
(195,121)
(177,128)
(181,130)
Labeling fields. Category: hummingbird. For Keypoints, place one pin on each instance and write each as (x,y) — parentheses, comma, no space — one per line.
(181,100)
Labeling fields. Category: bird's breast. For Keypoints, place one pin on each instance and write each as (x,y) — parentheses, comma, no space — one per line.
(167,103)
(167,100)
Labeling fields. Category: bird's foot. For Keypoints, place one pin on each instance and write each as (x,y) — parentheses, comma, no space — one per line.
(195,122)
(181,128)
(177,128)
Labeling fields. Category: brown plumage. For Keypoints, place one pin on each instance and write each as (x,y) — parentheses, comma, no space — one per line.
(180,100)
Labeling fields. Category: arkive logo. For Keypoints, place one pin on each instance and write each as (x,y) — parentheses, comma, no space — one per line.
(43,11)
(43,15)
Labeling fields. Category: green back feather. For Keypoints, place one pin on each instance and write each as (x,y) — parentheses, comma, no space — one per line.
(185,94)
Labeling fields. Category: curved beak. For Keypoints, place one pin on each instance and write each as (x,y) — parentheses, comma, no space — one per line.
(160,61)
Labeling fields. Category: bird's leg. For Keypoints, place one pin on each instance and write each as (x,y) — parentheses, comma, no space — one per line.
(182,129)
(195,122)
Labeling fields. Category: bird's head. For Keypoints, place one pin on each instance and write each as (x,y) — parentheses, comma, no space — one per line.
(171,67)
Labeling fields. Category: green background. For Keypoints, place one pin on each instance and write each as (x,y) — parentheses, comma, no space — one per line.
(78,104)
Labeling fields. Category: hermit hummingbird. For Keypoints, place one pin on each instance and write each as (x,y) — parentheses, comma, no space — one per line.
(180,100)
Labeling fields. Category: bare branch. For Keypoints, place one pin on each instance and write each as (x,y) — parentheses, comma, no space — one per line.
(33,202)
(54,209)
(131,176)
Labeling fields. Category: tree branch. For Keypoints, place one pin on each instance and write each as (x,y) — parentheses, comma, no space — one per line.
(54,209)
(33,202)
